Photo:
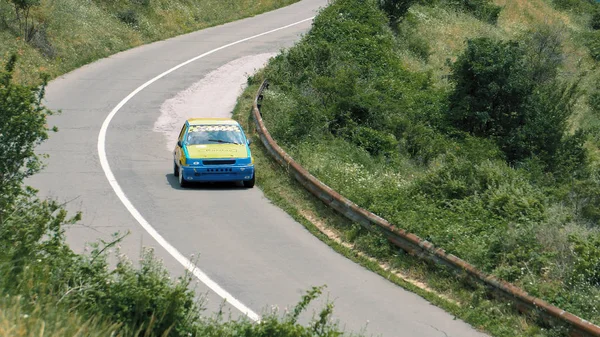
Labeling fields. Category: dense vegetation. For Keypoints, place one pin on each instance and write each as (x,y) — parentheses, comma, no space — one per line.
(473,124)
(60,35)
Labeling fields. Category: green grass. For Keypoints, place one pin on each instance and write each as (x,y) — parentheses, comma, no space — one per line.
(440,287)
(79,32)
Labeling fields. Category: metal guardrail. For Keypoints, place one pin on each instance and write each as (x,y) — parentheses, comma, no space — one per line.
(414,245)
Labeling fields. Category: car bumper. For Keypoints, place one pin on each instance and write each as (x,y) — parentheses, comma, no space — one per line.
(217,173)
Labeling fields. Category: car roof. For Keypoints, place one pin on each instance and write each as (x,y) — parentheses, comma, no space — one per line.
(212,121)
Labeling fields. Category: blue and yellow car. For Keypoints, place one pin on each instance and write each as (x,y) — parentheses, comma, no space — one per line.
(211,150)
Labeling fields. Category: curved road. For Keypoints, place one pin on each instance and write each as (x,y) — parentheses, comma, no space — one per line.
(247,246)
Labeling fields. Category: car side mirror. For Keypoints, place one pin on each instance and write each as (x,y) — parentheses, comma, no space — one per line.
(249,141)
(179,143)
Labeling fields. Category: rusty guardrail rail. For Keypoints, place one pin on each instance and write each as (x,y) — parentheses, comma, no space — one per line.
(414,245)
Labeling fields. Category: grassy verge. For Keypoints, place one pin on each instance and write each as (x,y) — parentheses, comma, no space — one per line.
(440,287)
(72,33)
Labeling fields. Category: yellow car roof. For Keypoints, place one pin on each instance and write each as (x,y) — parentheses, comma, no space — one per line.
(212,121)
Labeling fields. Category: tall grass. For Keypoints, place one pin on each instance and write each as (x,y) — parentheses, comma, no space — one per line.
(73,33)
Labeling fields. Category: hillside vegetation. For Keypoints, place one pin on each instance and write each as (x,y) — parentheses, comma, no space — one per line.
(57,36)
(474,124)
(45,288)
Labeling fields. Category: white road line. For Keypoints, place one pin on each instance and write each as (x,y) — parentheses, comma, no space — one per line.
(136,214)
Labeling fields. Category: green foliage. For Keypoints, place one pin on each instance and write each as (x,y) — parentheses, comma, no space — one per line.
(543,51)
(490,169)
(484,10)
(395,9)
(595,19)
(578,6)
(375,142)
(408,37)
(139,298)
(585,194)
(592,41)
(375,244)
(594,99)
(129,17)
(344,80)
(491,86)
(23,14)
(275,325)
(508,93)
(37,265)
(22,127)
(32,234)
(587,259)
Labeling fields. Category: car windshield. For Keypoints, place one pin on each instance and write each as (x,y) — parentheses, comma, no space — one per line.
(214,134)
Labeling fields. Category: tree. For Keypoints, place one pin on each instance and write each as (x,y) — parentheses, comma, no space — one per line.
(22,127)
(492,85)
(395,9)
(23,13)
(508,92)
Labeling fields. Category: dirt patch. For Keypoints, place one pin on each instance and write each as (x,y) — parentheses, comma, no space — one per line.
(333,235)
(215,95)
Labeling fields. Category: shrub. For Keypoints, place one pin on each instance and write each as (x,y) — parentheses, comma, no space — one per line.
(23,12)
(594,99)
(129,17)
(498,95)
(395,9)
(483,10)
(491,84)
(375,142)
(544,54)
(41,42)
(408,37)
(585,195)
(595,19)
(592,41)
(587,258)
(22,127)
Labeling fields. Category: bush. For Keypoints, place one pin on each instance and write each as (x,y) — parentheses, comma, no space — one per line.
(408,37)
(22,127)
(544,54)
(503,92)
(595,19)
(592,41)
(375,142)
(578,6)
(587,259)
(395,9)
(129,17)
(491,84)
(42,43)
(594,100)
(483,10)
(24,18)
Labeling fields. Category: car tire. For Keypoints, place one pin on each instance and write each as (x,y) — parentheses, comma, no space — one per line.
(175,169)
(250,183)
(182,181)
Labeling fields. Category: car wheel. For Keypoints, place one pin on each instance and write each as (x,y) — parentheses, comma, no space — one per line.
(182,181)
(250,183)
(175,169)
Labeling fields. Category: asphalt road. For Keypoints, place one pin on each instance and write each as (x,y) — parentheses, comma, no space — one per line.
(247,246)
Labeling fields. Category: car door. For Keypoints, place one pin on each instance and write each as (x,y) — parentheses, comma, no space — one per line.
(178,153)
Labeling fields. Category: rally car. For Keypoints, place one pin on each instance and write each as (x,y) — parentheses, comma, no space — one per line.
(212,150)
